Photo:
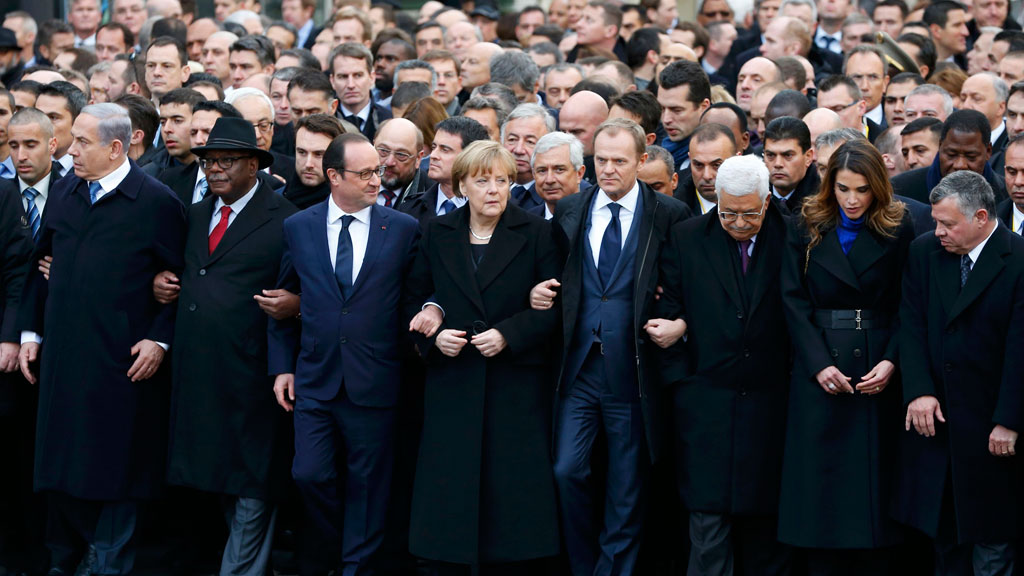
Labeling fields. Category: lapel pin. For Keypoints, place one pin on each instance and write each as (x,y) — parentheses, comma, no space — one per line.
(383,227)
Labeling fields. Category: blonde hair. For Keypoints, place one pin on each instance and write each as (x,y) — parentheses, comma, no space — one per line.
(480,157)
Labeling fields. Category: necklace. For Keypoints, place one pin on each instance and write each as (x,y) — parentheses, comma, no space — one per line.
(480,238)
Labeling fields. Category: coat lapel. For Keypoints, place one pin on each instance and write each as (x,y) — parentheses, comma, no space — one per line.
(454,234)
(866,250)
(318,236)
(767,255)
(829,255)
(643,224)
(716,250)
(255,215)
(945,273)
(379,219)
(989,264)
(503,247)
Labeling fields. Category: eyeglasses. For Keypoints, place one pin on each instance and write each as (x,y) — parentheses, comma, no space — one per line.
(367,174)
(402,157)
(263,126)
(840,107)
(747,216)
(225,162)
(869,77)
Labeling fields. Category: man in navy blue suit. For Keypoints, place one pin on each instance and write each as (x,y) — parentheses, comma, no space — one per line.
(338,367)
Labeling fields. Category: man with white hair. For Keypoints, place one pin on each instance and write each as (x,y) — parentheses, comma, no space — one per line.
(987,93)
(85,17)
(461,38)
(557,170)
(927,100)
(525,125)
(100,338)
(257,108)
(735,360)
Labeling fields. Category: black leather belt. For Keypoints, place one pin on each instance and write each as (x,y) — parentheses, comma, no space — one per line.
(851,319)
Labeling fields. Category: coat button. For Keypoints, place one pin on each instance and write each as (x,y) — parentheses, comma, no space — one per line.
(191,307)
(948,367)
(857,353)
(202,272)
(743,392)
(835,353)
(746,353)
(604,298)
(344,311)
(950,330)
(739,314)
(344,340)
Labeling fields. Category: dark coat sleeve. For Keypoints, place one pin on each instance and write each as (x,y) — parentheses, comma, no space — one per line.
(16,247)
(673,360)
(913,335)
(419,287)
(169,245)
(529,328)
(283,335)
(1010,403)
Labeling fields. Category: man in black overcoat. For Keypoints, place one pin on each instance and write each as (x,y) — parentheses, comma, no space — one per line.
(962,329)
(101,435)
(730,377)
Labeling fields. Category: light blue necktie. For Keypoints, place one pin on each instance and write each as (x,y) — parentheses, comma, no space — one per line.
(203,187)
(33,211)
(447,206)
(94,191)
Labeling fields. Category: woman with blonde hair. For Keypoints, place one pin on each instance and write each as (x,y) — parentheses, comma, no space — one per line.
(841,290)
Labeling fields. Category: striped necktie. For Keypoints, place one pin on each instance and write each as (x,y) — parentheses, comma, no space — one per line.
(32,211)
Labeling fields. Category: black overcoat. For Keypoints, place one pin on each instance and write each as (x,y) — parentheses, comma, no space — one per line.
(963,346)
(101,436)
(840,449)
(484,489)
(226,427)
(731,375)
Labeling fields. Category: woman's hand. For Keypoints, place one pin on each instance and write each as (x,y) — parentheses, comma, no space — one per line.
(450,342)
(833,381)
(542,296)
(426,321)
(489,343)
(875,381)
(665,333)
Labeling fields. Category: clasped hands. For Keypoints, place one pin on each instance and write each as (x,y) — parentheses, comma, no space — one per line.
(449,341)
(834,382)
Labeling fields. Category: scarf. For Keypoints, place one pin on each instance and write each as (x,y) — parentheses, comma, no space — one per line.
(848,230)
(680,151)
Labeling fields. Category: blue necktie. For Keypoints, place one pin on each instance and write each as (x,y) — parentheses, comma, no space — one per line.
(965,269)
(343,260)
(518,192)
(447,206)
(94,191)
(611,246)
(32,212)
(202,187)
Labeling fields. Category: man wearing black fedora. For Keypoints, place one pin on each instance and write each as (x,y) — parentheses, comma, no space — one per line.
(11,66)
(225,431)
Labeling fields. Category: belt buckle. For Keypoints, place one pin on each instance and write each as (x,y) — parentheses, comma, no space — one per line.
(602,348)
(858,319)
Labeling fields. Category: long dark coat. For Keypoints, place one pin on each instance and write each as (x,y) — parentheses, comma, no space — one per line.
(963,346)
(840,449)
(101,436)
(485,488)
(730,377)
(226,427)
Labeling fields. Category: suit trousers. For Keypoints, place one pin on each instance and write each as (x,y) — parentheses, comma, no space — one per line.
(108,526)
(597,548)
(362,438)
(250,540)
(994,559)
(724,545)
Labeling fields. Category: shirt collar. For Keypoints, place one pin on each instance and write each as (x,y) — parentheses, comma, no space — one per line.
(875,114)
(976,252)
(459,201)
(547,212)
(1018,217)
(66,162)
(363,114)
(239,204)
(334,213)
(111,181)
(997,133)
(628,202)
(705,205)
(304,33)
(42,187)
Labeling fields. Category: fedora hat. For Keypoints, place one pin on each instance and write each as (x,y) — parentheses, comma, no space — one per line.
(234,134)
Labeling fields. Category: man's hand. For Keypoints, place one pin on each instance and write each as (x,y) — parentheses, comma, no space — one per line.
(875,381)
(490,343)
(833,381)
(450,342)
(44,266)
(284,389)
(1002,441)
(148,355)
(542,296)
(9,356)
(427,321)
(28,356)
(665,333)
(279,304)
(166,287)
(923,412)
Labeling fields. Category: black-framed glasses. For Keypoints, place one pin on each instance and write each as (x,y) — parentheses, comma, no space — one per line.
(225,162)
(402,157)
(747,216)
(263,126)
(367,174)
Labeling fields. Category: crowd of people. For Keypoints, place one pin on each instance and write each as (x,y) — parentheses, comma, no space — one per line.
(587,288)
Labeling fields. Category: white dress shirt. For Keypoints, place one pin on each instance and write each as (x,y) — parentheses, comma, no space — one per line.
(820,40)
(997,133)
(600,217)
(458,201)
(363,115)
(236,208)
(547,212)
(976,252)
(358,230)
(303,34)
(67,164)
(7,168)
(705,205)
(88,42)
(43,191)
(1018,219)
(111,181)
(876,114)
(195,186)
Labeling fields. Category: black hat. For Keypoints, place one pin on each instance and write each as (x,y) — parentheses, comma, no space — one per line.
(234,134)
(8,41)
(487,11)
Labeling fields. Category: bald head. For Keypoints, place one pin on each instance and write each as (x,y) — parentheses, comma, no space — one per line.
(399,137)
(259,81)
(821,120)
(580,116)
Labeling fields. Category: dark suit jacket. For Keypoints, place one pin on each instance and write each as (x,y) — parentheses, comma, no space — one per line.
(962,346)
(312,37)
(378,114)
(530,198)
(283,166)
(660,213)
(731,376)
(806,188)
(15,250)
(914,184)
(921,213)
(422,206)
(101,436)
(182,181)
(1004,211)
(357,348)
(220,354)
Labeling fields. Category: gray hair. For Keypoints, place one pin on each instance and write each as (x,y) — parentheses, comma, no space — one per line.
(115,124)
(529,111)
(241,16)
(33,116)
(811,3)
(98,67)
(742,176)
(497,91)
(515,69)
(838,137)
(28,23)
(244,93)
(476,30)
(657,153)
(564,67)
(416,65)
(970,190)
(929,89)
(998,85)
(484,103)
(552,140)
(286,74)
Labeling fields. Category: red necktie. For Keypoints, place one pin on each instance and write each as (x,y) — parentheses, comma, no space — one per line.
(220,229)
(389,197)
